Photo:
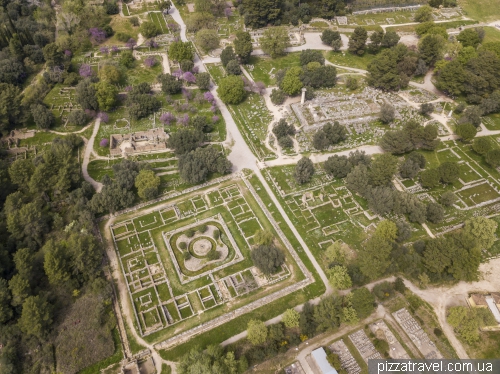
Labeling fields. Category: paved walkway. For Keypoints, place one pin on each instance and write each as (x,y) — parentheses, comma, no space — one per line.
(86,158)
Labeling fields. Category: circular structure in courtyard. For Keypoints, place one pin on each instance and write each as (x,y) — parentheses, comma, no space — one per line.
(202,246)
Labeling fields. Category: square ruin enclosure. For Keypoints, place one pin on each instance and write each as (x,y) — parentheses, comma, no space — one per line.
(191,253)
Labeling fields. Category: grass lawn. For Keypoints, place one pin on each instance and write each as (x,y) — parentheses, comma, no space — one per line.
(349,59)
(123,25)
(140,73)
(492,121)
(481,10)
(217,72)
(253,118)
(488,346)
(491,34)
(265,67)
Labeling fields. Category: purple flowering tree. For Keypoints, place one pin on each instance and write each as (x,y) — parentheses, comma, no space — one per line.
(103,116)
(97,35)
(184,120)
(167,118)
(228,12)
(189,77)
(104,143)
(215,119)
(68,53)
(114,49)
(174,27)
(104,50)
(178,73)
(131,43)
(195,69)
(209,97)
(150,61)
(151,43)
(85,71)
(187,94)
(214,108)
(91,113)
(128,88)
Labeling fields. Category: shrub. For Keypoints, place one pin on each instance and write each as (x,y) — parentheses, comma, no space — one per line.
(104,143)
(213,255)
(186,255)
(190,233)
(216,234)
(182,245)
(277,96)
(202,229)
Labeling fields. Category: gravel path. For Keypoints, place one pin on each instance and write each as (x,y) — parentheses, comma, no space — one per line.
(86,158)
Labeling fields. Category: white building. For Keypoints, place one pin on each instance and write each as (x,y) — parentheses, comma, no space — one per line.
(324,366)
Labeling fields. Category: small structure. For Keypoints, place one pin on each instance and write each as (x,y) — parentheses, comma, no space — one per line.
(141,141)
(493,307)
(303,98)
(324,366)
(478,301)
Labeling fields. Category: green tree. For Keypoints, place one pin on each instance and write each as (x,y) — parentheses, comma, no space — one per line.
(304,170)
(382,169)
(106,95)
(431,48)
(375,257)
(429,178)
(263,237)
(339,277)
(243,45)
(227,55)
(85,95)
(387,230)
(274,41)
(277,96)
(328,313)
(483,230)
(291,83)
(56,262)
(357,41)
(179,51)
(268,258)
(42,116)
(256,332)
(170,84)
(469,38)
(233,68)
(387,113)
(35,317)
(110,73)
(20,172)
(231,90)
(357,180)
(311,55)
(6,312)
(423,14)
(481,145)
(466,131)
(260,13)
(185,140)
(449,172)
(493,157)
(362,301)
(147,184)
(291,318)
(435,212)
(207,39)
(332,38)
(10,105)
(149,30)
(448,198)
(203,81)
(337,166)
